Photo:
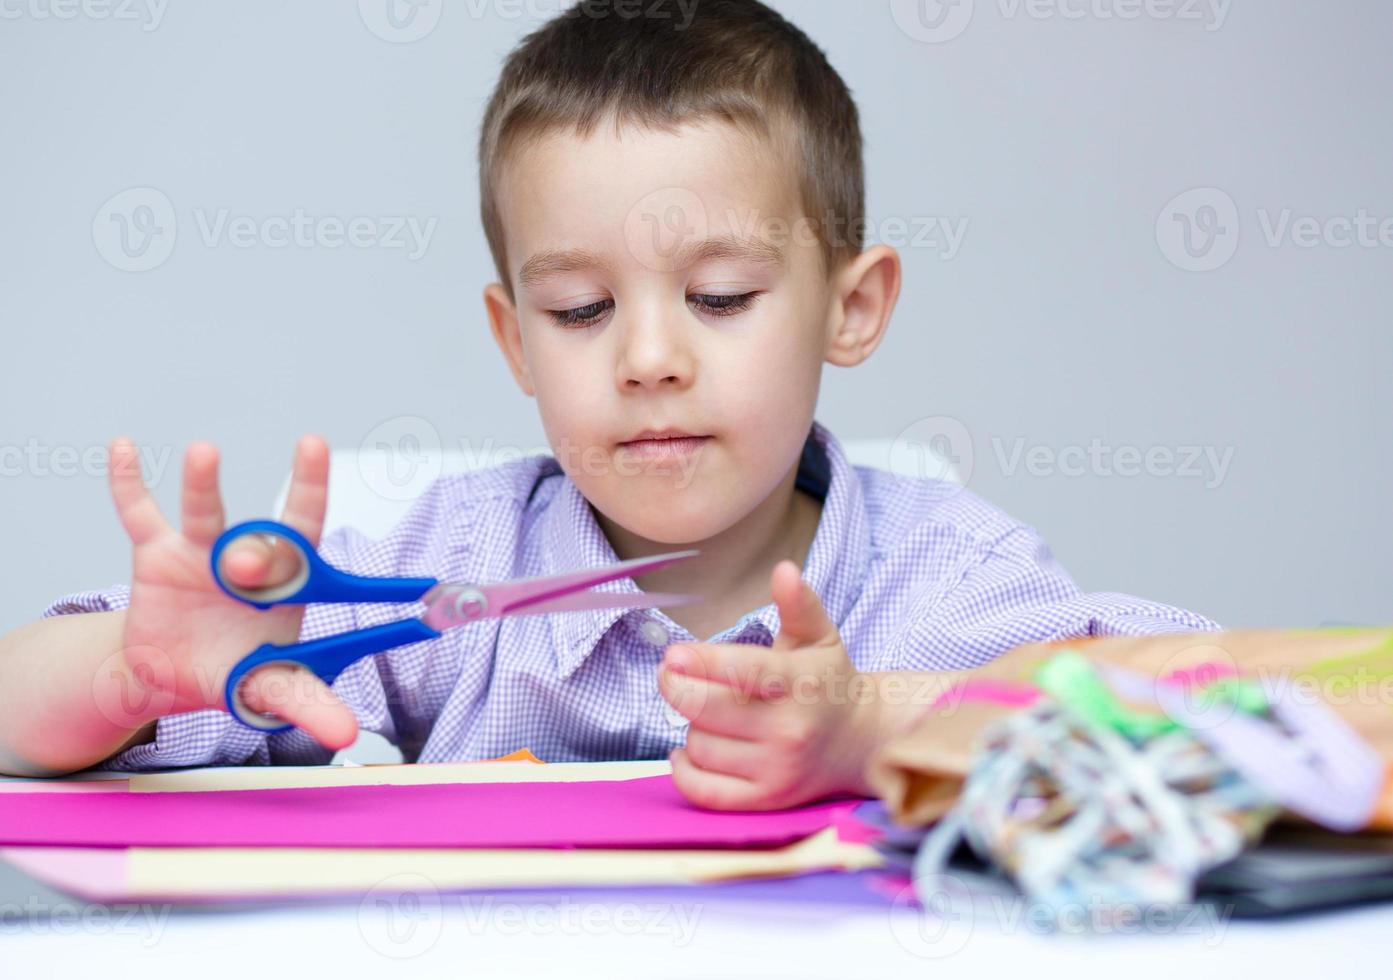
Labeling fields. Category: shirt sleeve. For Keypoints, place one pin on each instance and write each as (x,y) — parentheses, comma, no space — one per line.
(1011,592)
(212,737)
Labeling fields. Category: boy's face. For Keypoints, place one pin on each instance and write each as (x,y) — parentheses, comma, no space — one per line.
(667,330)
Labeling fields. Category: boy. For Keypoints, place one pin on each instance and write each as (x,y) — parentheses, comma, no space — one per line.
(672,202)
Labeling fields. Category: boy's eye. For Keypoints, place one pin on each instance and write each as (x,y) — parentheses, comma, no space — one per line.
(716,305)
(581,316)
(724,305)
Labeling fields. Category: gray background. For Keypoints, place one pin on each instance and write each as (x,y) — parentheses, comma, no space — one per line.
(1062,319)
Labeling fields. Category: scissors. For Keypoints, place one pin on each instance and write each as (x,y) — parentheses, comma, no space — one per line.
(447,604)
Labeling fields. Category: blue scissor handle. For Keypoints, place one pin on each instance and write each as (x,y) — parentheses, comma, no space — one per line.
(326,658)
(318,580)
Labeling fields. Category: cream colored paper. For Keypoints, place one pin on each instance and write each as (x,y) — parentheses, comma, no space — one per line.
(245,872)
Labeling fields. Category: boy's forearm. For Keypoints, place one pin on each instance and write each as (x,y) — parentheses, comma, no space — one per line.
(67,697)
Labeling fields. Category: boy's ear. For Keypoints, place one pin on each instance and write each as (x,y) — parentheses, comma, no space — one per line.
(863,297)
(503,322)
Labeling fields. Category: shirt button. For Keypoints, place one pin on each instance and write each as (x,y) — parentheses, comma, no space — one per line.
(654,632)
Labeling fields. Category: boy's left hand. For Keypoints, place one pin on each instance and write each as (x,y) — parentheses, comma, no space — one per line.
(771,727)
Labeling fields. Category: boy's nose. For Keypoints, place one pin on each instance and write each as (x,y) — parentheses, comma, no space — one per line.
(652,353)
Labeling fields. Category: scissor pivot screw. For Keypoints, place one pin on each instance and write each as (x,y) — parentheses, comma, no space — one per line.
(470,604)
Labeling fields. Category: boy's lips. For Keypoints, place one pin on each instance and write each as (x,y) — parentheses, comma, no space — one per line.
(660,443)
(660,435)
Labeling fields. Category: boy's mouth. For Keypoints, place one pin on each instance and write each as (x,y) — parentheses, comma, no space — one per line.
(660,443)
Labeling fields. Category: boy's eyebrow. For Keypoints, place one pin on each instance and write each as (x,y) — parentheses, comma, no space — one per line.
(554,262)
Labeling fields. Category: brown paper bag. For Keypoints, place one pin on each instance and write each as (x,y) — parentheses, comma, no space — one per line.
(919,774)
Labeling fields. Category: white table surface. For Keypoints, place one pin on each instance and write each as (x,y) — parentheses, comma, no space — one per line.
(486,937)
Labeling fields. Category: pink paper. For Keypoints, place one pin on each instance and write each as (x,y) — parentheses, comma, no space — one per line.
(852,830)
(96,874)
(647,812)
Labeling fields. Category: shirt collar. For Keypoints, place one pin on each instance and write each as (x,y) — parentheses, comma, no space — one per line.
(836,566)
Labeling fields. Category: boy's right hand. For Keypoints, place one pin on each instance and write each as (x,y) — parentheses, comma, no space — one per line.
(182,633)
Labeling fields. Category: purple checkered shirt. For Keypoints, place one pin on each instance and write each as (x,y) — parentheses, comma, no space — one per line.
(917,574)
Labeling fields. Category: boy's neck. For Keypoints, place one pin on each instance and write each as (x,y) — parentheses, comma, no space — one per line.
(733,568)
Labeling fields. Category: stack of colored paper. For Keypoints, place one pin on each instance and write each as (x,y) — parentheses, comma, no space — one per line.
(220,834)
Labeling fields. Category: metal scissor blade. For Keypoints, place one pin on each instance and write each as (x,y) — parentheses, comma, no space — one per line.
(606,600)
(509,597)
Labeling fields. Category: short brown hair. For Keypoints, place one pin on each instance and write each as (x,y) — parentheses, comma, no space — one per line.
(661,63)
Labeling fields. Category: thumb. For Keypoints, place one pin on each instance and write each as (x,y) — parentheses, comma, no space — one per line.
(802,620)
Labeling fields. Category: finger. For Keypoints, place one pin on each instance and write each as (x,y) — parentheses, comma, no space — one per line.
(202,516)
(803,622)
(713,790)
(308,497)
(251,562)
(139,513)
(715,707)
(296,696)
(721,753)
(754,670)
